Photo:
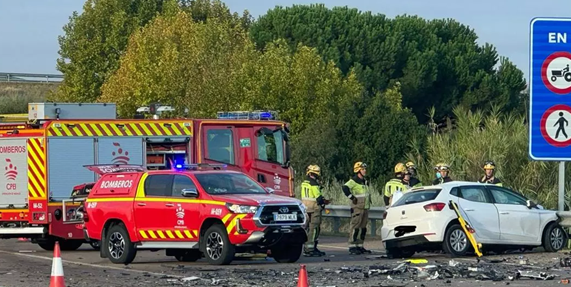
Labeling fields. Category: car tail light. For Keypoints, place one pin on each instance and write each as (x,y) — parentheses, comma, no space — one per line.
(438,206)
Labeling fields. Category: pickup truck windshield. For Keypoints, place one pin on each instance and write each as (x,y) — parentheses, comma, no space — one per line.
(228,183)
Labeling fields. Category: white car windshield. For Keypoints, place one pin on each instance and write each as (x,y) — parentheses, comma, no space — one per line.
(228,183)
(417,196)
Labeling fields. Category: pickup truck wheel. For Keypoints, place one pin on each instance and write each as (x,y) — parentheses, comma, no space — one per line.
(554,238)
(217,247)
(120,249)
(287,254)
(189,256)
(456,243)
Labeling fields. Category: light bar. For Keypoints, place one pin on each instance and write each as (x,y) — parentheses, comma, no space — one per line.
(195,166)
(247,115)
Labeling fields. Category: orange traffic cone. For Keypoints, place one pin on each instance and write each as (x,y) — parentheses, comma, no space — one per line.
(302,280)
(57,279)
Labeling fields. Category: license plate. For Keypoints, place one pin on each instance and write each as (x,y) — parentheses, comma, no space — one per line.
(285,217)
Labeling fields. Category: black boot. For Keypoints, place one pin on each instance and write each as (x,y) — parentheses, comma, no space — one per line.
(355,250)
(363,250)
(319,251)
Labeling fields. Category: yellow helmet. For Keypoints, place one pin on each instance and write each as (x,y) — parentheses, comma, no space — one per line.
(400,168)
(315,169)
(410,164)
(489,165)
(441,167)
(359,166)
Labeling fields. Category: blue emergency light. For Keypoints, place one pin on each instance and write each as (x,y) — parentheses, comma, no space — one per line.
(195,166)
(248,115)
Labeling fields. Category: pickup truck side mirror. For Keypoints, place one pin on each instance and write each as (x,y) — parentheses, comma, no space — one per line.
(270,190)
(189,192)
(530,204)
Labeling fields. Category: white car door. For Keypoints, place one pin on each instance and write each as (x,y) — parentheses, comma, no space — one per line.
(518,224)
(480,212)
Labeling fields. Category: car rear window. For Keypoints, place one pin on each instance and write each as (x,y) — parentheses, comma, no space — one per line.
(417,196)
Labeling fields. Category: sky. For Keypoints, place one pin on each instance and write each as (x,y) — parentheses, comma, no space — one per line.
(29,29)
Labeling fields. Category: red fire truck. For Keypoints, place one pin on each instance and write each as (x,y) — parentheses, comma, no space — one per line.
(42,160)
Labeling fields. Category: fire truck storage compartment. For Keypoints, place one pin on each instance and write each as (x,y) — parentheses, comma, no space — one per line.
(162,151)
(120,150)
(14,164)
(66,158)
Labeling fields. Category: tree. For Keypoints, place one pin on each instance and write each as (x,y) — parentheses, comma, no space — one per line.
(185,64)
(94,41)
(212,66)
(437,62)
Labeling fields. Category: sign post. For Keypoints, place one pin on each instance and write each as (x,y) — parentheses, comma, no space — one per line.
(550,94)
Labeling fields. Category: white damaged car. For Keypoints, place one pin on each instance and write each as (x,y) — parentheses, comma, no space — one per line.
(422,220)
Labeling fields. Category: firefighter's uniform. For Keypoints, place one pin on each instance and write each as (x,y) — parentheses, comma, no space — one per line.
(314,203)
(395,184)
(491,178)
(357,190)
(442,175)
(413,181)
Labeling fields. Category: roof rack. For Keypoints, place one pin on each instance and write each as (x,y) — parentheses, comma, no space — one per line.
(196,166)
(114,168)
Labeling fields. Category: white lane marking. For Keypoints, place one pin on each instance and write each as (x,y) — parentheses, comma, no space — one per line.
(93,265)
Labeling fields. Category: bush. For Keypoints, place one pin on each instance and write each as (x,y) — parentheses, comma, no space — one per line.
(14,97)
(478,137)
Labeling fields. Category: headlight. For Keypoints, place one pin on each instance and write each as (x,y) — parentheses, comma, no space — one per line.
(241,208)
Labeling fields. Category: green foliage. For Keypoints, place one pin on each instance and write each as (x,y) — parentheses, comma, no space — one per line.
(436,62)
(95,40)
(14,97)
(502,138)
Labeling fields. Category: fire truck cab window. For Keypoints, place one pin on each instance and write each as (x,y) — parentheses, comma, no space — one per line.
(181,182)
(220,145)
(159,185)
(270,147)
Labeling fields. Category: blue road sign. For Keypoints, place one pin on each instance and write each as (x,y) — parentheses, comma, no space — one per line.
(550,89)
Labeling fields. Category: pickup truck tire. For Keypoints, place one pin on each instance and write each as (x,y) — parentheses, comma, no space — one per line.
(120,249)
(287,254)
(216,246)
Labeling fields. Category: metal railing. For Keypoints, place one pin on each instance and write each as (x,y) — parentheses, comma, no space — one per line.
(336,212)
(30,78)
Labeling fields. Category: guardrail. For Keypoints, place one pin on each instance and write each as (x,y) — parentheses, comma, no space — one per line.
(30,78)
(336,212)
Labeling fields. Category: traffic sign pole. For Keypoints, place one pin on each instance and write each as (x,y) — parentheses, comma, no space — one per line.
(550,94)
(561,193)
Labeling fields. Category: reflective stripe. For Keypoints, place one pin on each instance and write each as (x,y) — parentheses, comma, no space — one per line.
(362,195)
(309,199)
(351,245)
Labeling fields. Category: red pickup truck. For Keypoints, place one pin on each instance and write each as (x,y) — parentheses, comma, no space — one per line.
(192,211)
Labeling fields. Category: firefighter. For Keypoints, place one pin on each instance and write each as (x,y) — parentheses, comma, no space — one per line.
(314,203)
(395,184)
(489,168)
(356,189)
(413,181)
(442,176)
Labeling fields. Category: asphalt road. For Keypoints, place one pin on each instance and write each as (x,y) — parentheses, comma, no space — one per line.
(25,264)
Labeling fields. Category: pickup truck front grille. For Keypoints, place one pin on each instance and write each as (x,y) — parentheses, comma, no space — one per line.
(270,214)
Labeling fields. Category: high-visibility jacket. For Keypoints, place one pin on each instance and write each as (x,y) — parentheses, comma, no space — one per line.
(358,187)
(495,181)
(414,182)
(311,195)
(393,185)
